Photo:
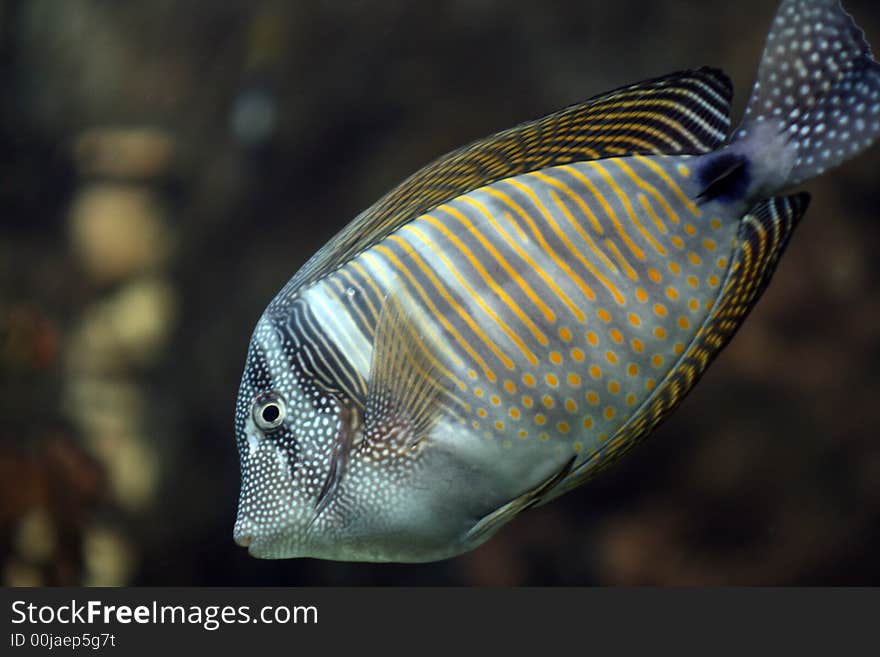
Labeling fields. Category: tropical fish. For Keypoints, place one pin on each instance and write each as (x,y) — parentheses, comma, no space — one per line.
(520,313)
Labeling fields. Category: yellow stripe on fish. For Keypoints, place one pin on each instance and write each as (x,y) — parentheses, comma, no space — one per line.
(621,318)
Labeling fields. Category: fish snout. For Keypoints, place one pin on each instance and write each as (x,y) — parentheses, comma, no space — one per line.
(244,532)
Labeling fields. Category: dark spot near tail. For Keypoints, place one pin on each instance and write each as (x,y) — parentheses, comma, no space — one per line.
(724,177)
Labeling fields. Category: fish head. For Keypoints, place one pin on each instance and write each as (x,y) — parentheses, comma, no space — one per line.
(286,431)
(312,486)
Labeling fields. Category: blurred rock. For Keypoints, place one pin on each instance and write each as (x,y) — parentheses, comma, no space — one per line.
(28,339)
(120,237)
(127,329)
(21,487)
(18,573)
(47,495)
(36,535)
(109,558)
(118,231)
(132,466)
(104,405)
(111,415)
(142,317)
(124,152)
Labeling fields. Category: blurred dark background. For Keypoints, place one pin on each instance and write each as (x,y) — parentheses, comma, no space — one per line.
(166,166)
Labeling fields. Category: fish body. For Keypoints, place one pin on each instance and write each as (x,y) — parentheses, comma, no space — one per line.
(519,314)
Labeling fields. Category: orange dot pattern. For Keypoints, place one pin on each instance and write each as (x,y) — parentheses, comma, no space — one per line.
(763,236)
(605,323)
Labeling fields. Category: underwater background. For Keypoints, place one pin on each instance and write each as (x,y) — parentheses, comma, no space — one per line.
(166,166)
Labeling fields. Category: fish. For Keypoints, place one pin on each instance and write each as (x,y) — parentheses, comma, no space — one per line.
(516,316)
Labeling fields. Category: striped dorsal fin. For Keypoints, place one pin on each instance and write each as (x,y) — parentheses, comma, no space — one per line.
(763,235)
(685,113)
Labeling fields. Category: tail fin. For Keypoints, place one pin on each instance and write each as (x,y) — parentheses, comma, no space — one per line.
(818,88)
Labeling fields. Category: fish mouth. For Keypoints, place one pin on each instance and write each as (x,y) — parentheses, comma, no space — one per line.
(279,544)
(253,544)
(264,547)
(259,543)
(257,550)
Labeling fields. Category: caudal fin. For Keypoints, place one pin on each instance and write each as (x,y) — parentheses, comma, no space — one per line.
(818,89)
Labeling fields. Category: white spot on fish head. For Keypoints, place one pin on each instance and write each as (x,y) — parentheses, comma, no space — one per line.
(281,459)
(253,442)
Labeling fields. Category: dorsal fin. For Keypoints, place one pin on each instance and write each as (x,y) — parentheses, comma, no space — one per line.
(763,235)
(682,113)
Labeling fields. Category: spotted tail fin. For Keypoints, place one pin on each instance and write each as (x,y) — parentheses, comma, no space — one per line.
(816,102)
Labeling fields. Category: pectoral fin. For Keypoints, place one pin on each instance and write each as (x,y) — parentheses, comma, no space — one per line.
(404,388)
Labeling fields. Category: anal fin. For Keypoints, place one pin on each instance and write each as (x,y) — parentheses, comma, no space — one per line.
(492,522)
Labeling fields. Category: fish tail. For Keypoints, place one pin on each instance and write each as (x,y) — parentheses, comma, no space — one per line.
(816,102)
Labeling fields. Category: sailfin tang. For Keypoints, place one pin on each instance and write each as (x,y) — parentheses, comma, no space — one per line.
(682,113)
(763,236)
(404,387)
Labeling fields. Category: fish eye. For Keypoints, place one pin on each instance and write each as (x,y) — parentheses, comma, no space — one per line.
(269,412)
